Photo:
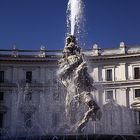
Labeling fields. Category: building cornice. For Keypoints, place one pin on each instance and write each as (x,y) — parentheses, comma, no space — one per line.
(55,58)
(110,57)
(117,84)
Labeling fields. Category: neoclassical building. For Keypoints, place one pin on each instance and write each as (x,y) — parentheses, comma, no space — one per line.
(32,99)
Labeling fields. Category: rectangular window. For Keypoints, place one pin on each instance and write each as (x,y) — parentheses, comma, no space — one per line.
(137,73)
(1,120)
(109,95)
(1,96)
(1,76)
(28,120)
(28,76)
(137,93)
(109,74)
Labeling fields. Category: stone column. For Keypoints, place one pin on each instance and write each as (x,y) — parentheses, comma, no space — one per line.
(95,74)
(43,112)
(42,74)
(14,112)
(15,75)
(126,113)
(122,98)
(123,71)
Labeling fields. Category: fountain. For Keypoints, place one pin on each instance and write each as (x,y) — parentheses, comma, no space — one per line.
(73,72)
(32,118)
(74,16)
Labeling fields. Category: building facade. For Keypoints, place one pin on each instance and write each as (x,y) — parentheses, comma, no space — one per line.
(32,99)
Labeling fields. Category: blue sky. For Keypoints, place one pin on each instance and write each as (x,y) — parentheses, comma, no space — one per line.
(32,23)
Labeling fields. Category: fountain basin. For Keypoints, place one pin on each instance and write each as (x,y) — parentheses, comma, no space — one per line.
(81,137)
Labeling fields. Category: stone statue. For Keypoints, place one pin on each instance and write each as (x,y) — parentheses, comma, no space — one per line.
(71,47)
(75,77)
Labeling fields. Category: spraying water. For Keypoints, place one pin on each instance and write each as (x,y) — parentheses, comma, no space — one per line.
(74,16)
(73,74)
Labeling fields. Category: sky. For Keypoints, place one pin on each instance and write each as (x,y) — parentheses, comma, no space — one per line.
(31,23)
